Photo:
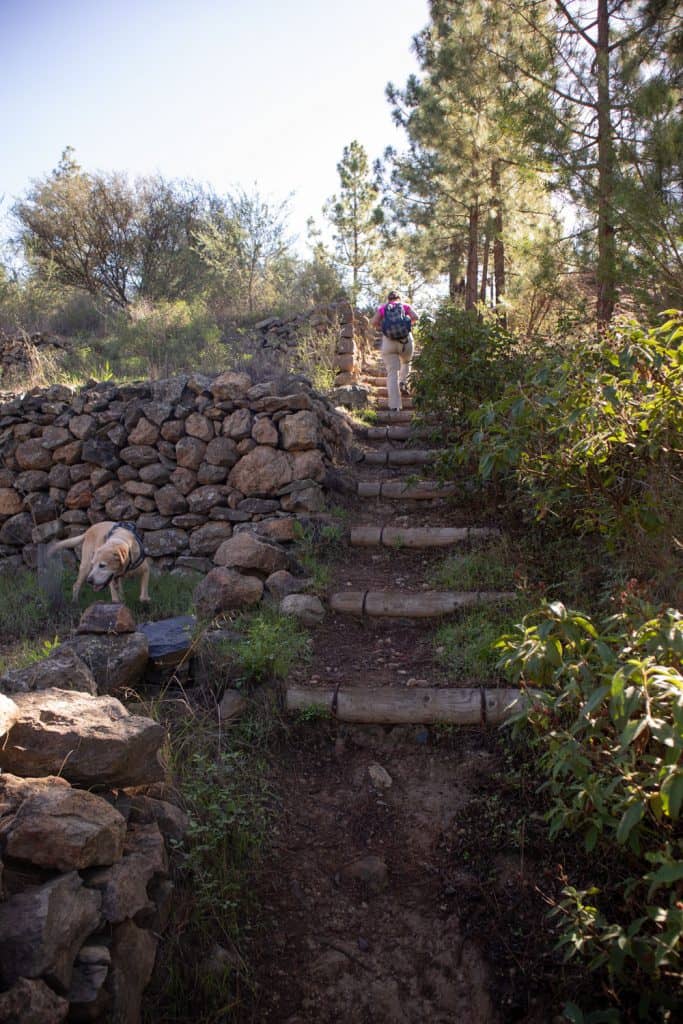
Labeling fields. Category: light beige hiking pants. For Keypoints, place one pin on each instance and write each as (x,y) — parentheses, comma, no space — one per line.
(397,356)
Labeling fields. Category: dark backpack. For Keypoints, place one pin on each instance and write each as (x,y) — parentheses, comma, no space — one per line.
(396,323)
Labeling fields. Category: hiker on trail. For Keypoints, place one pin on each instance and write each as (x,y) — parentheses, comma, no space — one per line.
(395,319)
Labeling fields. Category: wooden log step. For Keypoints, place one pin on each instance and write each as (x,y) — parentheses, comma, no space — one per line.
(401,416)
(397,604)
(417,537)
(423,491)
(406,403)
(399,433)
(419,706)
(400,457)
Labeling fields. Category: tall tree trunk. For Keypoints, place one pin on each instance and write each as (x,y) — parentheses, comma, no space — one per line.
(485,263)
(498,244)
(471,283)
(606,270)
(455,254)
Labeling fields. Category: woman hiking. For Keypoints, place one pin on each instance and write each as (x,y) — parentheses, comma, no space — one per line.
(395,319)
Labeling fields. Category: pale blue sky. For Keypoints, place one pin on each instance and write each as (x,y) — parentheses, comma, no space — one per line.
(227,93)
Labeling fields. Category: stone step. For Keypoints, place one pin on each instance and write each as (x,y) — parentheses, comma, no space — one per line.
(424,490)
(387,705)
(400,457)
(402,416)
(418,536)
(425,604)
(406,402)
(398,433)
(375,380)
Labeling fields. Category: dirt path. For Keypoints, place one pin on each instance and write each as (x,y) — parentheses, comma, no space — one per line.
(374,916)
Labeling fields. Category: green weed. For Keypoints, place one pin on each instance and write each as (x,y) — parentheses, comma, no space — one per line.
(202,970)
(466,647)
(270,646)
(484,568)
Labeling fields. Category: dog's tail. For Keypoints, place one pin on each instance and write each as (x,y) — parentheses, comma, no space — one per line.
(70,542)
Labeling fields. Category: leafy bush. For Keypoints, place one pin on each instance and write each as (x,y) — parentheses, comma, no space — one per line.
(608,726)
(464,361)
(592,436)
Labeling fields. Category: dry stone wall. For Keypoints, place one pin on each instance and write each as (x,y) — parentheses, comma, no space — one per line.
(190,460)
(20,355)
(354,337)
(84,826)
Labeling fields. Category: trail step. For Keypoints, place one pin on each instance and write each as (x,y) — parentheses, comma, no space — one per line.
(406,403)
(400,457)
(399,433)
(419,706)
(390,416)
(424,490)
(425,604)
(417,537)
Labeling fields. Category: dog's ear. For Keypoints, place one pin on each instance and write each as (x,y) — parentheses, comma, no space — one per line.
(121,553)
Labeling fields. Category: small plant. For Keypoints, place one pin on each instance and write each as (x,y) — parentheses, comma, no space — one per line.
(466,647)
(312,713)
(485,568)
(317,543)
(271,645)
(368,417)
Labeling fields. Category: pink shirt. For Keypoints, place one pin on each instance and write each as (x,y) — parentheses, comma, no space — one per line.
(406,309)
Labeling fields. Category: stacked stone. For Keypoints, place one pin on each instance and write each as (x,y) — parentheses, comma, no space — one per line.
(354,335)
(84,886)
(187,459)
(19,355)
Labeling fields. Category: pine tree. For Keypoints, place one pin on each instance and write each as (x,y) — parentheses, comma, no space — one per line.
(356,217)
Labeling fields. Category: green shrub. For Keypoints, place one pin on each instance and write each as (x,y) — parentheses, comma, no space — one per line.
(592,437)
(163,338)
(607,722)
(272,644)
(464,361)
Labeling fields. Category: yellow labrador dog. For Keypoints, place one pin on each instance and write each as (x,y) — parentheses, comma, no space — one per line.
(110,551)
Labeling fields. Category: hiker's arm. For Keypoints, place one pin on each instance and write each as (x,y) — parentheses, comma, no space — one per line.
(377,319)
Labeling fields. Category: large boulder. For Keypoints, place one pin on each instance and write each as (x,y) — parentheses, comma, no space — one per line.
(133,951)
(224,590)
(91,741)
(305,607)
(31,1001)
(206,539)
(63,670)
(116,661)
(42,929)
(51,825)
(245,551)
(263,470)
(32,454)
(299,431)
(123,885)
(11,503)
(230,385)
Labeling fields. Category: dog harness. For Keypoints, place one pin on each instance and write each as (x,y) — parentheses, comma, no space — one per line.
(133,563)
